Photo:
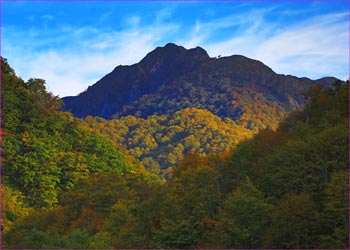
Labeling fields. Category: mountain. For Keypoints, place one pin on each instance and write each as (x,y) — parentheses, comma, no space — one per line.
(327,81)
(172,78)
(65,186)
(126,84)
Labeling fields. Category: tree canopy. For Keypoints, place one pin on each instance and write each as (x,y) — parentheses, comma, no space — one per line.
(68,185)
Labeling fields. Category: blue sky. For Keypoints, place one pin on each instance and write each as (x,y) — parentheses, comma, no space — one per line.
(73,44)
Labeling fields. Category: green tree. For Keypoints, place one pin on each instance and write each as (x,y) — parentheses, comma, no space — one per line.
(13,207)
(336,212)
(189,200)
(243,219)
(295,223)
(46,151)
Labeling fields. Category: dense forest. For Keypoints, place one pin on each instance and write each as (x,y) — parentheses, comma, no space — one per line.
(72,183)
(160,142)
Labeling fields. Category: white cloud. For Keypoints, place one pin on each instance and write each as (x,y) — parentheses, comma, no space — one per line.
(90,55)
(132,21)
(202,31)
(314,48)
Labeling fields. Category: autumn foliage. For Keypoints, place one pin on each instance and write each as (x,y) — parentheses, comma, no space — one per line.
(69,183)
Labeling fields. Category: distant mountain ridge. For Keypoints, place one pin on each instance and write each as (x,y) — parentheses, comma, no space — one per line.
(126,84)
(172,78)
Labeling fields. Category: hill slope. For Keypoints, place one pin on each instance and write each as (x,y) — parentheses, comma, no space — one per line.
(126,84)
(172,78)
(281,189)
(161,142)
(45,151)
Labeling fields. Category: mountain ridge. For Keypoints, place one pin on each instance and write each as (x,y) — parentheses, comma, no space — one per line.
(171,78)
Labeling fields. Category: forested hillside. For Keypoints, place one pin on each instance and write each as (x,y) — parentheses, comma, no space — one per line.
(160,142)
(66,186)
(44,151)
(172,78)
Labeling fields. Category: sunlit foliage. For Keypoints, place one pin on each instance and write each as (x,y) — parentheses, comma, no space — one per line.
(66,186)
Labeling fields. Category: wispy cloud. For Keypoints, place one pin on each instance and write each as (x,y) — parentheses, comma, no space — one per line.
(204,31)
(315,47)
(86,54)
(70,57)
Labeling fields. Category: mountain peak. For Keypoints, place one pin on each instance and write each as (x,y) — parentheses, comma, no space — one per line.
(173,77)
(327,81)
(198,52)
(173,52)
(172,45)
